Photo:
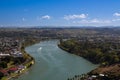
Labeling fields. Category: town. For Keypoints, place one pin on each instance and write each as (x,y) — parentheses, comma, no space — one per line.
(94,43)
(12,59)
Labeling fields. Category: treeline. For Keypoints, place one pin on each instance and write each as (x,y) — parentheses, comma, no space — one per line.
(104,53)
(24,44)
(11,61)
(59,32)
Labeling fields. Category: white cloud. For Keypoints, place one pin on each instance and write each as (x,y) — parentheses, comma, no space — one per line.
(80,16)
(45,17)
(92,21)
(95,21)
(100,21)
(116,14)
(23,19)
(114,20)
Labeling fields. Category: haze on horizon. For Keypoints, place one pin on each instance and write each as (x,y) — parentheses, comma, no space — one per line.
(59,13)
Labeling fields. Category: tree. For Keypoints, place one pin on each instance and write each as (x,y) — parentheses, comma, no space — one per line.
(3,64)
(1,75)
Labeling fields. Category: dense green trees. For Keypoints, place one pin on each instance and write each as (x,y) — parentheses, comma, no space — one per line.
(105,53)
(1,75)
(3,64)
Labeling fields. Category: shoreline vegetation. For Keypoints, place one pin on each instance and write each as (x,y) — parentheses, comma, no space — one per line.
(92,34)
(29,59)
(103,53)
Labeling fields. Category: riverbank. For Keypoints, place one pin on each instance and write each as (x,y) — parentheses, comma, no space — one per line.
(109,62)
(29,60)
(50,59)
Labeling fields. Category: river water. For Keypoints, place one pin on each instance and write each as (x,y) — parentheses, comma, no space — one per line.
(52,63)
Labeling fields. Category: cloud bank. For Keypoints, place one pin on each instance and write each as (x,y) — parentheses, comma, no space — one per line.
(116,14)
(80,16)
(46,17)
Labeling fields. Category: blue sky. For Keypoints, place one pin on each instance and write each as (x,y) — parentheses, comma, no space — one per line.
(59,12)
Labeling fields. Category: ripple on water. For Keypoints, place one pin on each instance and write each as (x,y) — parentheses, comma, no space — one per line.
(53,63)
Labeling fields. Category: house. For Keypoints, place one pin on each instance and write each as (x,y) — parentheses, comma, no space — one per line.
(3,55)
(17,54)
(5,72)
(13,70)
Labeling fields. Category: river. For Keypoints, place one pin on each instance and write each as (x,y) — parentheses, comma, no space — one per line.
(52,63)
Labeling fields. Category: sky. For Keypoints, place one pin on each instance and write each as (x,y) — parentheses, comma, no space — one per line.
(59,13)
